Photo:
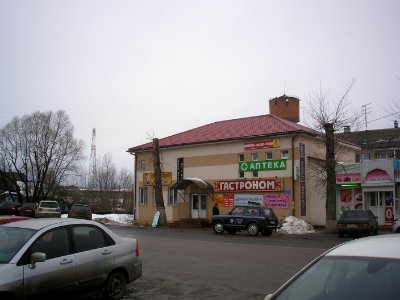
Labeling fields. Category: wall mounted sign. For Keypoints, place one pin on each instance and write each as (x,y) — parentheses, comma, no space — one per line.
(277,200)
(302,181)
(166,178)
(248,185)
(262,165)
(262,144)
(348,177)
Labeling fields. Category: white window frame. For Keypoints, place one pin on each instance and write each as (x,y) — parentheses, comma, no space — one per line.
(284,154)
(172,196)
(266,155)
(143,196)
(142,166)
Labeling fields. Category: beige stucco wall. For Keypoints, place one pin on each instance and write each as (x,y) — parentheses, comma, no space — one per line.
(220,162)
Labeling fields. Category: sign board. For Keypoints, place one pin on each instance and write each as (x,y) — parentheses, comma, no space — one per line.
(166,178)
(248,185)
(155,219)
(262,165)
(262,144)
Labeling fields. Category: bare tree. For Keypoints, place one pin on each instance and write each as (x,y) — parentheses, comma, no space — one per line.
(126,188)
(157,183)
(41,148)
(328,116)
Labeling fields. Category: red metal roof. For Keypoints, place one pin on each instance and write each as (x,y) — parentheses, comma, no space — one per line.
(243,128)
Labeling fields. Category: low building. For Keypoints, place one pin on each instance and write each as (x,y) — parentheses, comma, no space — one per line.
(269,159)
(374,181)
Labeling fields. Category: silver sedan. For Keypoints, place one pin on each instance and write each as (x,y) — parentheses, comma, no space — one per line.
(46,257)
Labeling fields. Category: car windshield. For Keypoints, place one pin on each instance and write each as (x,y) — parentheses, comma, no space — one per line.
(11,240)
(346,278)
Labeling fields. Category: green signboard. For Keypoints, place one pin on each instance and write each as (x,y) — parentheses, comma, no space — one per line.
(262,165)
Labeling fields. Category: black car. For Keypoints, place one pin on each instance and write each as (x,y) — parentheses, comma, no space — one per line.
(10,208)
(28,209)
(357,221)
(254,219)
(80,211)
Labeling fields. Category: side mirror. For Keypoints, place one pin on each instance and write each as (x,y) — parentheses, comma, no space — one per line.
(35,258)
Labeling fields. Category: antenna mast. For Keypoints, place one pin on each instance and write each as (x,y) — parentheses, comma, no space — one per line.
(365,111)
(92,165)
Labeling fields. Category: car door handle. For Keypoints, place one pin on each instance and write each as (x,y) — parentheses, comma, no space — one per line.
(66,261)
(106,252)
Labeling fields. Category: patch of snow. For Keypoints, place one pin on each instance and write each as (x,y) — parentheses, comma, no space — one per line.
(293,225)
(110,218)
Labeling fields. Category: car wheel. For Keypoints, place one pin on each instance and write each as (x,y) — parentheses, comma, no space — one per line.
(267,232)
(115,286)
(253,229)
(218,227)
(231,231)
(398,230)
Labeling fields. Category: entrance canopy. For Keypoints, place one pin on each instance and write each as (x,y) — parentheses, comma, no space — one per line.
(200,183)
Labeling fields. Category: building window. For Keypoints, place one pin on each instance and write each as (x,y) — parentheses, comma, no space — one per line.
(143,195)
(172,196)
(284,154)
(254,157)
(268,155)
(241,158)
(142,166)
(362,156)
(381,155)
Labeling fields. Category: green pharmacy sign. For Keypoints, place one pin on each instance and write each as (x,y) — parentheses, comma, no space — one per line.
(262,165)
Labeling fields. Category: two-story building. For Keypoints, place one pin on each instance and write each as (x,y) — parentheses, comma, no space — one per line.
(374,181)
(268,159)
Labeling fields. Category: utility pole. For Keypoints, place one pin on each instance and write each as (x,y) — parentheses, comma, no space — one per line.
(92,163)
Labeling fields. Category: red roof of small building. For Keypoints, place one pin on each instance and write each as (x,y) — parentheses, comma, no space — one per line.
(236,129)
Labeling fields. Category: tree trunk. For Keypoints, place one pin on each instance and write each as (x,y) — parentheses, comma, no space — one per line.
(330,164)
(157,184)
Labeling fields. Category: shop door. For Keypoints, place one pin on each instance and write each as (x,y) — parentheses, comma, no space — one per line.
(373,202)
(199,206)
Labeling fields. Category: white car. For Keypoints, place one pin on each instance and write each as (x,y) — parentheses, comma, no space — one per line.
(48,209)
(362,269)
(52,257)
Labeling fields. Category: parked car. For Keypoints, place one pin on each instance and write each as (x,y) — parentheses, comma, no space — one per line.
(80,211)
(9,219)
(254,219)
(10,208)
(28,209)
(50,258)
(357,221)
(396,226)
(365,268)
(48,209)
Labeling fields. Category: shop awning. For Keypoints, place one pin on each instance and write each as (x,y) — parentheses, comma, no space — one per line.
(200,183)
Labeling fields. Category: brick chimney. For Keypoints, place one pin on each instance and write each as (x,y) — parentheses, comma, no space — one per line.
(285,107)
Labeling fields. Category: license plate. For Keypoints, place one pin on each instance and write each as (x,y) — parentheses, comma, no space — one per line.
(352,225)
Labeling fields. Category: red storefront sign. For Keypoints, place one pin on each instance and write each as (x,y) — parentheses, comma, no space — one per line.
(261,144)
(248,185)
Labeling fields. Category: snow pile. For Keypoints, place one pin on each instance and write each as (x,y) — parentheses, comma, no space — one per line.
(293,225)
(113,218)
(110,218)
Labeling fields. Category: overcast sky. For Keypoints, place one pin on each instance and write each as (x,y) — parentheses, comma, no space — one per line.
(137,69)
